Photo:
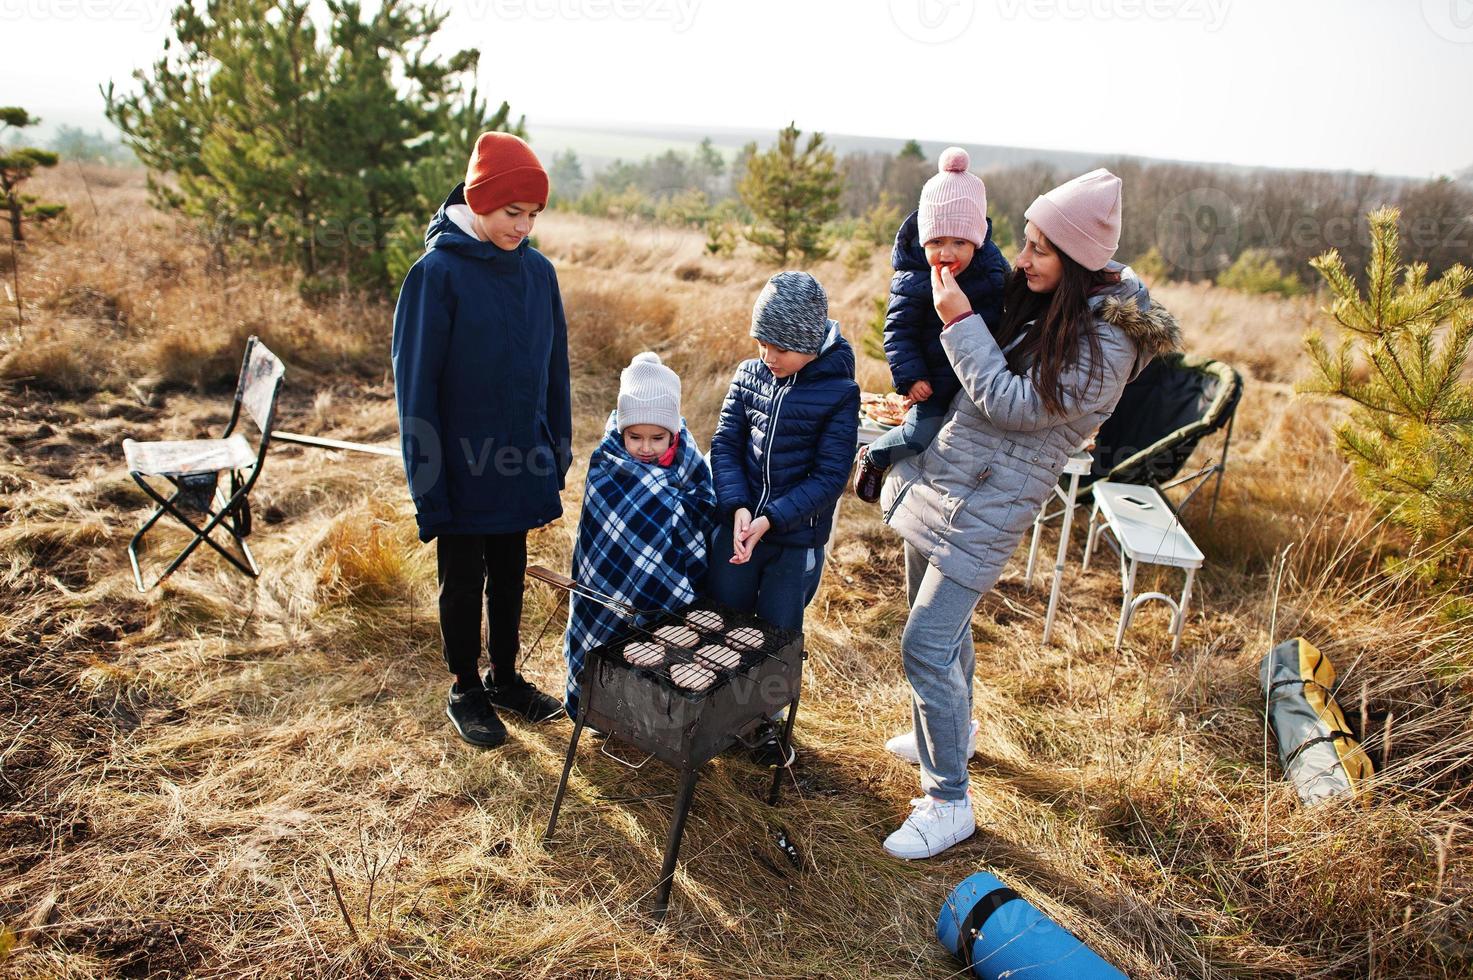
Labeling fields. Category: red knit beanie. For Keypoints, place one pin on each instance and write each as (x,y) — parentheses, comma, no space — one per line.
(503,169)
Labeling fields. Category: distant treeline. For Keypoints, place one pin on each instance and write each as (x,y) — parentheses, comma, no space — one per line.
(1190,221)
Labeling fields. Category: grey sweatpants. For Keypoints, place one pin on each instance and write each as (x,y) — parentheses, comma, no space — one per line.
(936,648)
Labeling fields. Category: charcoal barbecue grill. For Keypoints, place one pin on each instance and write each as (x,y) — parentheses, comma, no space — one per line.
(683,687)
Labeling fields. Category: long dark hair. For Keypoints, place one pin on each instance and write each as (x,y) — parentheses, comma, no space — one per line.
(1060,321)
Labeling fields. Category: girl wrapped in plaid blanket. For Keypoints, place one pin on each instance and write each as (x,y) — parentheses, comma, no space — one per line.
(648,511)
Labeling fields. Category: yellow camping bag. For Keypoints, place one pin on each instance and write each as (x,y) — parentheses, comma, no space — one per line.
(1316,748)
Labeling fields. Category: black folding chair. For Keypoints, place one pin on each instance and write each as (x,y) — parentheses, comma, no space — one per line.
(1175,403)
(194,468)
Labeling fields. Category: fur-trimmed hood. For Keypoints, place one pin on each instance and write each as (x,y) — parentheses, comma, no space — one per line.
(1129,307)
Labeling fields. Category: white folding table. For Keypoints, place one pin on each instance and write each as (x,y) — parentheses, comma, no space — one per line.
(1078,465)
(1145,530)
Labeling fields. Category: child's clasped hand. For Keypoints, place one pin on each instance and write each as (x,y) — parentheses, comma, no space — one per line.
(745,533)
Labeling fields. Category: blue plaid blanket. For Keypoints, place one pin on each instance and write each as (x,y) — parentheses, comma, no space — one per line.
(642,539)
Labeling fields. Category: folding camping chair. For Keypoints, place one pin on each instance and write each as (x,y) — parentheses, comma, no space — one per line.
(1175,403)
(194,468)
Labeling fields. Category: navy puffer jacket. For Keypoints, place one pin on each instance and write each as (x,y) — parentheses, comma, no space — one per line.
(912,328)
(481,380)
(784,448)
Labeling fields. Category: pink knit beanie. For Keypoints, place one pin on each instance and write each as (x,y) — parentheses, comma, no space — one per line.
(1082,218)
(954,202)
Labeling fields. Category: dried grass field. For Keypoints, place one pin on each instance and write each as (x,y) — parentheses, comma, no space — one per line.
(235,778)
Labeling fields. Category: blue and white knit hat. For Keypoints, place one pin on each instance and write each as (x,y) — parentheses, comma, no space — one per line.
(792,312)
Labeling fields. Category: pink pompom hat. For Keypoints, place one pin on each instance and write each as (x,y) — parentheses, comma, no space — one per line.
(954,202)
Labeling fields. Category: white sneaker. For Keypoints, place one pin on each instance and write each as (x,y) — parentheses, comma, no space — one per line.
(904,746)
(932,827)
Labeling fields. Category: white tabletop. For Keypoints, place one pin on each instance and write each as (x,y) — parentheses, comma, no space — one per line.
(1145,527)
(869,431)
(1079,461)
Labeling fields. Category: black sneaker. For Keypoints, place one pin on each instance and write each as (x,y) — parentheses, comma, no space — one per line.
(769,751)
(868,479)
(521,695)
(474,718)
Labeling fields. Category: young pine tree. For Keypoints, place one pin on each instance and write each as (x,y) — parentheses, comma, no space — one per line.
(310,142)
(1400,365)
(16,167)
(792,193)
(709,168)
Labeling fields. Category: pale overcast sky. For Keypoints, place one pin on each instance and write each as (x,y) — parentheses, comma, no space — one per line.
(1379,85)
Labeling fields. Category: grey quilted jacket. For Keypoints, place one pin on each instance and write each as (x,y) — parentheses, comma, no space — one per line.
(966,501)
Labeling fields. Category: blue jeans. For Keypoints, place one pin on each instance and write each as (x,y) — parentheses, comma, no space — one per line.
(940,661)
(776,583)
(911,437)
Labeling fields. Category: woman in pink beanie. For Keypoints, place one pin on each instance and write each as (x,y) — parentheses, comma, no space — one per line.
(1075,328)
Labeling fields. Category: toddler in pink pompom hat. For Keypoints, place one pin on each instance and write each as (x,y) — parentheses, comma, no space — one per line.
(954,201)
(949,228)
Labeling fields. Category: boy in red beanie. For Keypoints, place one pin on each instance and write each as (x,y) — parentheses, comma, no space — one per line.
(485,419)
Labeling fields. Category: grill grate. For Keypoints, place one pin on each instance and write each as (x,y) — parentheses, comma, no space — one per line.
(720,641)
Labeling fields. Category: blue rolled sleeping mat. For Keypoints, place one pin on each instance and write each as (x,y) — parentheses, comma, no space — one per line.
(1007,937)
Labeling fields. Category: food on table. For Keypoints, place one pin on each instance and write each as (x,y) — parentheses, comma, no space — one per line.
(887,410)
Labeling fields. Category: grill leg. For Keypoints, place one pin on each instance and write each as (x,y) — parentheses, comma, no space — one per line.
(787,745)
(562,784)
(672,843)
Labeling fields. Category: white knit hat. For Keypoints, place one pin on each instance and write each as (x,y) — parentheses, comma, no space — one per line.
(954,202)
(649,394)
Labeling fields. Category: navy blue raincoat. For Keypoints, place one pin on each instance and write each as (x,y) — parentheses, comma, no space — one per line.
(481,380)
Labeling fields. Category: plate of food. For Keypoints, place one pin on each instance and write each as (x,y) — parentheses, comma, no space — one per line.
(887,411)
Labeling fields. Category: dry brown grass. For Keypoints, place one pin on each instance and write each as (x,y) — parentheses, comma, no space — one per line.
(181,770)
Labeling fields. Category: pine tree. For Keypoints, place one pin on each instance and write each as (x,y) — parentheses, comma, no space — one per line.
(709,167)
(16,167)
(315,144)
(1400,365)
(906,173)
(792,193)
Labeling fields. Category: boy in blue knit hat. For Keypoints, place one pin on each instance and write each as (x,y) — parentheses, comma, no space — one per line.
(782,452)
(780,459)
